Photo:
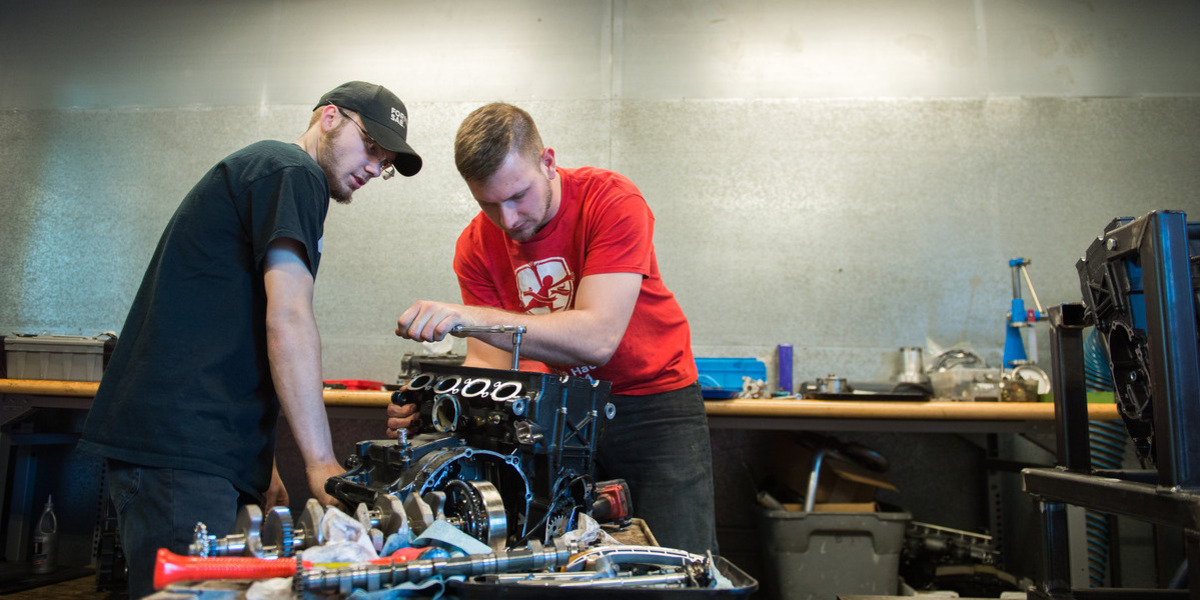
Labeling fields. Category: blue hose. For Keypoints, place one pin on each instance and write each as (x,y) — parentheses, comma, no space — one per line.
(1108,442)
(1096,374)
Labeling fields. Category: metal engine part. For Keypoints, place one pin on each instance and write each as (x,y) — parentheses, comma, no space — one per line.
(950,546)
(1111,278)
(476,508)
(246,539)
(934,556)
(278,535)
(535,562)
(489,442)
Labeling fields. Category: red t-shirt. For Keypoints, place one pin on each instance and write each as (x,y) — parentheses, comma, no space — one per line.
(603,225)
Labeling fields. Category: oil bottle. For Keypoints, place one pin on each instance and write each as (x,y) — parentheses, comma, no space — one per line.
(45,540)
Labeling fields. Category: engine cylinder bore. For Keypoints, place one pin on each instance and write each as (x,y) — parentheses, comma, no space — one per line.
(475,387)
(447,385)
(421,381)
(507,391)
(446,413)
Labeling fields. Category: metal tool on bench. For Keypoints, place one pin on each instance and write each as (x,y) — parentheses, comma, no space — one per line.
(1020,319)
(560,564)
(529,560)
(620,566)
(170,568)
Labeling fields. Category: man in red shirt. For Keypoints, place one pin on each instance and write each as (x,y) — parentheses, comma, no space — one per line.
(569,255)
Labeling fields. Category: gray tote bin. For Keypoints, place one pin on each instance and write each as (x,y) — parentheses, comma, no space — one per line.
(819,555)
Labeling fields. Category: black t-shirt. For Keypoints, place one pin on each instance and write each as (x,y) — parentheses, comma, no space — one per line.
(188,385)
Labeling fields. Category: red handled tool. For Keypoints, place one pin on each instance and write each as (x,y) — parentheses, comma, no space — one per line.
(171,568)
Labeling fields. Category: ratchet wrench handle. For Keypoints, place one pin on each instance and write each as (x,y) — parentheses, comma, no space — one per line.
(516,330)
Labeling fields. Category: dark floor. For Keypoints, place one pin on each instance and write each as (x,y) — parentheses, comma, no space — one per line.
(68,583)
(82,588)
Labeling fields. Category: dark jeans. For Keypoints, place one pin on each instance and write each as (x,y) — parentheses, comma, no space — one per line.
(659,445)
(159,508)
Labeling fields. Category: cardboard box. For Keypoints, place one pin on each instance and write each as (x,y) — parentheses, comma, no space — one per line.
(842,485)
(835,507)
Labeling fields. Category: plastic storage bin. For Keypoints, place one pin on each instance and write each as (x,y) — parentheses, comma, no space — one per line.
(966,384)
(56,357)
(818,555)
(722,377)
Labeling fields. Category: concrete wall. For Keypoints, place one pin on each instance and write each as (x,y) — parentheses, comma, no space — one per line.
(846,177)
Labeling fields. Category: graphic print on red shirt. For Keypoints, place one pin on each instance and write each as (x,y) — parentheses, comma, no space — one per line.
(546,285)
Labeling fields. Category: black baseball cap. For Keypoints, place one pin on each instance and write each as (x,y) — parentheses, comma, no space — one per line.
(384,117)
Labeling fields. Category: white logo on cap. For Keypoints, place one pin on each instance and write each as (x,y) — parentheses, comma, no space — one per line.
(398,116)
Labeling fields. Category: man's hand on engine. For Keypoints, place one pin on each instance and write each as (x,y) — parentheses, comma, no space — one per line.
(317,476)
(400,416)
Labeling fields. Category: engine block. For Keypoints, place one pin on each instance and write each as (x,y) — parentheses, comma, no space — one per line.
(530,436)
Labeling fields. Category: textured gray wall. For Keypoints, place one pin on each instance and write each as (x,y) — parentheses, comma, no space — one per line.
(846,177)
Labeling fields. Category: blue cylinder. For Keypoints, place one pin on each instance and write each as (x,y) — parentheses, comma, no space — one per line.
(785,368)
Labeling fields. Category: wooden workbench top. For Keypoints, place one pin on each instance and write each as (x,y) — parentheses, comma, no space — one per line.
(927,410)
(774,407)
(87,389)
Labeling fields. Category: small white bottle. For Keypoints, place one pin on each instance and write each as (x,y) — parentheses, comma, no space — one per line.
(45,540)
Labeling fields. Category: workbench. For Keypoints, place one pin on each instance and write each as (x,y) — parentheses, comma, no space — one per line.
(22,395)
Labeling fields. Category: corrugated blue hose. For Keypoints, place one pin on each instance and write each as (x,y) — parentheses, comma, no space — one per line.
(1108,442)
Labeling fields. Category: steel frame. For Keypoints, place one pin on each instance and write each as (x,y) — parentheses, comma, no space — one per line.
(1170,494)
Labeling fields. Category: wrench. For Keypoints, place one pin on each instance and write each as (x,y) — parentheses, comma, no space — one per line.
(516,330)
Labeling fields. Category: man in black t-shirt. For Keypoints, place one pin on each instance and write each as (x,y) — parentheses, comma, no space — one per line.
(221,334)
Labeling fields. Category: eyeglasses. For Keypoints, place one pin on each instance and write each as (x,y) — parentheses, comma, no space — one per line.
(386,169)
